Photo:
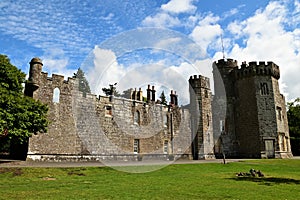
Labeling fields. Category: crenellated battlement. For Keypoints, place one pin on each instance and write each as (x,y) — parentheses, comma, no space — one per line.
(226,63)
(56,78)
(199,81)
(258,69)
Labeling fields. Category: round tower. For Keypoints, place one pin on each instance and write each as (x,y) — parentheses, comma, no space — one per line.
(35,71)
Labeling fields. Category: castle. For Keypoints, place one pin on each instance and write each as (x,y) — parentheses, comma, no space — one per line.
(246,118)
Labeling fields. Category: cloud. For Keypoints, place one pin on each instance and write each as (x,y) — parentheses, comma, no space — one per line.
(207,31)
(179,6)
(266,38)
(161,20)
(55,62)
(101,69)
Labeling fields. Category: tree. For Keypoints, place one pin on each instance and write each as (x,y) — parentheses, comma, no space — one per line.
(20,116)
(163,98)
(127,93)
(293,115)
(83,83)
(111,90)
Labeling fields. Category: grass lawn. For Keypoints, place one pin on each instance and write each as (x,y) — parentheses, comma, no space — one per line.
(184,181)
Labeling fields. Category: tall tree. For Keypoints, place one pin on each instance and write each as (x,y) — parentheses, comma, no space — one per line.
(293,114)
(83,83)
(20,116)
(163,98)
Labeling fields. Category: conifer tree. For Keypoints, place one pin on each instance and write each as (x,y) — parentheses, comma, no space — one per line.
(83,83)
(163,98)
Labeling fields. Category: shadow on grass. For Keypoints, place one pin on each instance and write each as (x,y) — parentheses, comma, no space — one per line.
(268,180)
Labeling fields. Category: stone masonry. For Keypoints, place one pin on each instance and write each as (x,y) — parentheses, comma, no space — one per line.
(246,117)
(255,122)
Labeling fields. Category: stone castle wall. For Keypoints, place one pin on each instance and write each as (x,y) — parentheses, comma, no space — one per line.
(255,109)
(104,127)
(246,117)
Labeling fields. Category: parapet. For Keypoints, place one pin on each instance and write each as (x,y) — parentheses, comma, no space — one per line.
(199,81)
(258,69)
(226,63)
(56,79)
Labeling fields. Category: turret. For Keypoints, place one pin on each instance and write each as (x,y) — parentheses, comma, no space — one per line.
(35,71)
(201,117)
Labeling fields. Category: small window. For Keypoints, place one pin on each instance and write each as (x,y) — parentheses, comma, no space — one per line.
(108,110)
(166,146)
(207,118)
(165,120)
(136,146)
(137,117)
(56,94)
(264,90)
(222,125)
(206,94)
(279,113)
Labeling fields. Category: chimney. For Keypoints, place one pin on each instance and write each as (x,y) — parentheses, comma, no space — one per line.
(153,94)
(148,94)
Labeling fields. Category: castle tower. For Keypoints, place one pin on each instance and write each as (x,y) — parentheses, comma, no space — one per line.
(224,107)
(35,71)
(201,118)
(261,119)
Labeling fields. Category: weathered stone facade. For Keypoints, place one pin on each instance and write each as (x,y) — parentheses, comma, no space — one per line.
(84,126)
(246,117)
(255,122)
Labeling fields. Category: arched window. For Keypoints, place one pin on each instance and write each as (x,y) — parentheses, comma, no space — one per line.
(56,94)
(137,117)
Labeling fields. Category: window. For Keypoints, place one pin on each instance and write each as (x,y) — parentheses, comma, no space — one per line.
(136,146)
(165,120)
(206,94)
(56,94)
(108,110)
(137,117)
(222,125)
(264,90)
(279,113)
(166,146)
(207,118)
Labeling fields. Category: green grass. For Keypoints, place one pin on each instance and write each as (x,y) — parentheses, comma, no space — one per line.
(190,181)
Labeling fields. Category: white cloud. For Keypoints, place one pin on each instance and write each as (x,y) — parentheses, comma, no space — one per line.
(102,69)
(179,6)
(207,31)
(55,62)
(161,20)
(267,39)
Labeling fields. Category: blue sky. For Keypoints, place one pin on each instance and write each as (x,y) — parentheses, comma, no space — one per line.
(160,42)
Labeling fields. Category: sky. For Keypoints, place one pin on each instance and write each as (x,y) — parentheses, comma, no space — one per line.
(160,42)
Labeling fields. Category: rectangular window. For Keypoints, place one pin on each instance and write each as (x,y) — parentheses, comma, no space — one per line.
(222,126)
(279,113)
(165,120)
(166,146)
(108,110)
(136,146)
(264,90)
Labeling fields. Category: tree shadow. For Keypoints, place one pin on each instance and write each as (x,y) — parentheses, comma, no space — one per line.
(269,181)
